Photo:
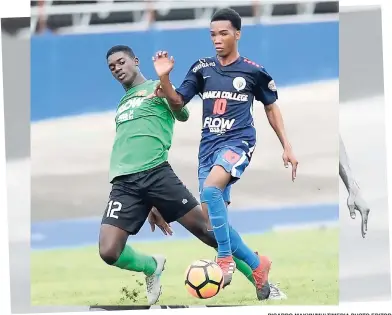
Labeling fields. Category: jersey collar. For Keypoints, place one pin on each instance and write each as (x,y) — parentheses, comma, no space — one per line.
(227,67)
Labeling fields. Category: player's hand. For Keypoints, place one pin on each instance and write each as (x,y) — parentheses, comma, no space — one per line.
(162,63)
(156,219)
(289,158)
(355,202)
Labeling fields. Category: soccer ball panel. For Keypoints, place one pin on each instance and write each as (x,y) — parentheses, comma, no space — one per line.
(196,276)
(201,263)
(209,290)
(203,279)
(191,290)
(214,273)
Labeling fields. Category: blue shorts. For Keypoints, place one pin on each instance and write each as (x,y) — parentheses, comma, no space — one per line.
(232,159)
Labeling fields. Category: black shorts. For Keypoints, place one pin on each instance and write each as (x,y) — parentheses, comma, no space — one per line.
(133,196)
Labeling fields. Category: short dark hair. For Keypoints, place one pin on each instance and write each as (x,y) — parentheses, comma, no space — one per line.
(120,48)
(228,14)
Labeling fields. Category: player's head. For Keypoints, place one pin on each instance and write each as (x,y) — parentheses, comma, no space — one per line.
(225,30)
(123,64)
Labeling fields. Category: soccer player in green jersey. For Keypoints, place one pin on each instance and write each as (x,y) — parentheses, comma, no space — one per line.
(143,182)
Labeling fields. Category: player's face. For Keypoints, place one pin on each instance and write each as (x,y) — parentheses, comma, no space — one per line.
(224,37)
(123,67)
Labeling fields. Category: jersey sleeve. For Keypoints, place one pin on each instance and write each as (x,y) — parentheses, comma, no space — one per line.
(192,84)
(265,89)
(180,115)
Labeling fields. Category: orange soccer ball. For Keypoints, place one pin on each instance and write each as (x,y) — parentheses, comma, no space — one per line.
(203,279)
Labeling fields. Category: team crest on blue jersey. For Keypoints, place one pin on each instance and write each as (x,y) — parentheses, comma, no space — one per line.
(239,83)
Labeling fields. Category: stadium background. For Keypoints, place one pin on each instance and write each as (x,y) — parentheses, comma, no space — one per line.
(70,153)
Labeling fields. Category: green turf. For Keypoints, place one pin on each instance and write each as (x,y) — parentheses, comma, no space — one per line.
(304,262)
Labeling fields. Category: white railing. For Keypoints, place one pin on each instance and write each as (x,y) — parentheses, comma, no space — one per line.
(108,6)
(140,12)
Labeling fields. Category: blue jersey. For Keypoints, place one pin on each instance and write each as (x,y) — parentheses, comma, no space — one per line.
(228,93)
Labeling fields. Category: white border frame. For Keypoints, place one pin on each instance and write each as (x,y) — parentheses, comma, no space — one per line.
(19,8)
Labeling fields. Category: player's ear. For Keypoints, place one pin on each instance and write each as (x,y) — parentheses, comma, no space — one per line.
(237,35)
(136,61)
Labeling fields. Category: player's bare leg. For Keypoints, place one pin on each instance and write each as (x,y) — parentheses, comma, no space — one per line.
(354,200)
(196,223)
(114,251)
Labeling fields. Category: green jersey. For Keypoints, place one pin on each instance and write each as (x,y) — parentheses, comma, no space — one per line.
(144,131)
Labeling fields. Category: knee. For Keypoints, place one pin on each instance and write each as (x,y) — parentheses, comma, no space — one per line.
(109,254)
(109,251)
(112,241)
(210,193)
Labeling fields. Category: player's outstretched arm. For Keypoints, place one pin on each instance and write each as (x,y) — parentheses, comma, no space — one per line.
(191,86)
(345,172)
(163,66)
(275,119)
(354,200)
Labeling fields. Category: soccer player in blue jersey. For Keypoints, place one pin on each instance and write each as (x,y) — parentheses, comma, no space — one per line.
(227,83)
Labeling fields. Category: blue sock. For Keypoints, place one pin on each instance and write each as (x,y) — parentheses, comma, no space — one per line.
(241,251)
(217,212)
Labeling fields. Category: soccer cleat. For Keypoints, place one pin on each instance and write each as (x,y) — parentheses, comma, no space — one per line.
(276,293)
(260,275)
(228,266)
(153,282)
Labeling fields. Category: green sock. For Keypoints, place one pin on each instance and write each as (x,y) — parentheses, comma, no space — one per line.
(244,269)
(134,261)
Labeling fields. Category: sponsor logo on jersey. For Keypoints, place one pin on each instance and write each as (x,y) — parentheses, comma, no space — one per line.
(239,83)
(227,95)
(141,93)
(218,125)
(125,116)
(203,64)
(131,103)
(272,85)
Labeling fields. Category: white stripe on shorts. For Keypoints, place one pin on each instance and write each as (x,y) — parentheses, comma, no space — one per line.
(234,171)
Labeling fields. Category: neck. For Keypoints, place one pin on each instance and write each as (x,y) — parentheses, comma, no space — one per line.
(229,58)
(139,79)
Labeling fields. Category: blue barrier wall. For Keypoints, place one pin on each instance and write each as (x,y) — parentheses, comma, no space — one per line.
(69,74)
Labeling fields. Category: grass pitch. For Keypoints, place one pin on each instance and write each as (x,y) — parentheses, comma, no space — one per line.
(305,263)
